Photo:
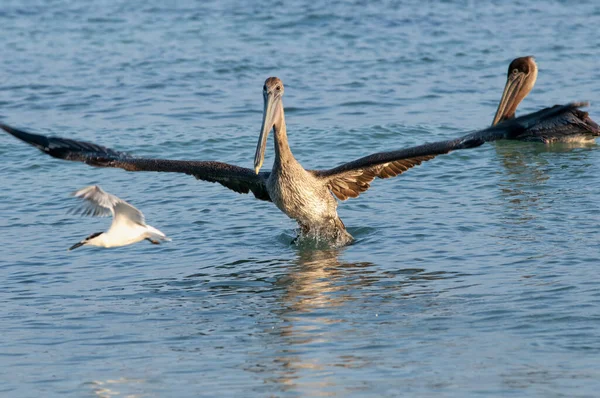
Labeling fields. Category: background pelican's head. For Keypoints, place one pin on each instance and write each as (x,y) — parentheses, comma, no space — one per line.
(522,74)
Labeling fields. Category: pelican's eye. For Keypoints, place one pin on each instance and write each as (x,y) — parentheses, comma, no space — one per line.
(515,71)
(278,88)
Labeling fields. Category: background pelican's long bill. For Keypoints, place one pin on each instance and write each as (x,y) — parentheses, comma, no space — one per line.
(511,89)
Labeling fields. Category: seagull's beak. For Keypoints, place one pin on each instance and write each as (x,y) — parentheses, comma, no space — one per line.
(510,96)
(270,115)
(76,245)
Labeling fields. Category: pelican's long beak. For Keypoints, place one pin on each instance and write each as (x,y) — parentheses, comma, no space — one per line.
(270,114)
(76,245)
(509,100)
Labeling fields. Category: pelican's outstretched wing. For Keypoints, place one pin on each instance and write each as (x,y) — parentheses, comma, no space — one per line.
(347,180)
(351,179)
(238,179)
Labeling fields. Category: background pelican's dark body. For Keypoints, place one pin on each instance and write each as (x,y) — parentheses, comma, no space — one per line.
(569,127)
(474,274)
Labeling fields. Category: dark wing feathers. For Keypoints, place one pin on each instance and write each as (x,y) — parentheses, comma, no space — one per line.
(556,117)
(350,179)
(64,148)
(351,183)
(560,127)
(238,179)
(345,181)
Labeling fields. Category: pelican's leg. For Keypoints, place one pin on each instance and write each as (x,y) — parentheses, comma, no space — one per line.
(154,242)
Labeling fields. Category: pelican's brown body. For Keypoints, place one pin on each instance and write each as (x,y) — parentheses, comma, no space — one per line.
(302,197)
(295,191)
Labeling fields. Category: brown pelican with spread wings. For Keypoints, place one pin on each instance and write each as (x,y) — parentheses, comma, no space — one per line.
(308,196)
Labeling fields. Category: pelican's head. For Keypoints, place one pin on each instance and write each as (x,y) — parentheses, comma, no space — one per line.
(522,73)
(272,116)
(90,240)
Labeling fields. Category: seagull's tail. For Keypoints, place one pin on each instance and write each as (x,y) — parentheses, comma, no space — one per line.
(156,235)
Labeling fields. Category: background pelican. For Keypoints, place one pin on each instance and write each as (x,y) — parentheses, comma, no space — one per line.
(304,195)
(574,126)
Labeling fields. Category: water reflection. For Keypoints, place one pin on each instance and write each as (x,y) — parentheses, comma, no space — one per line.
(316,283)
(318,279)
(319,313)
(121,387)
(525,175)
(308,312)
(529,167)
(531,183)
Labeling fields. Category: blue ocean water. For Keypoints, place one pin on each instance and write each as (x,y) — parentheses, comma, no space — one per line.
(474,274)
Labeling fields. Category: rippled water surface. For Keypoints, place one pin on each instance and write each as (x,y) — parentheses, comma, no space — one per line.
(474,274)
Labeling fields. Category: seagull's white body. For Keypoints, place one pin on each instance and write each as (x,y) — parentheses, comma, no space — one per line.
(123,235)
(128,224)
